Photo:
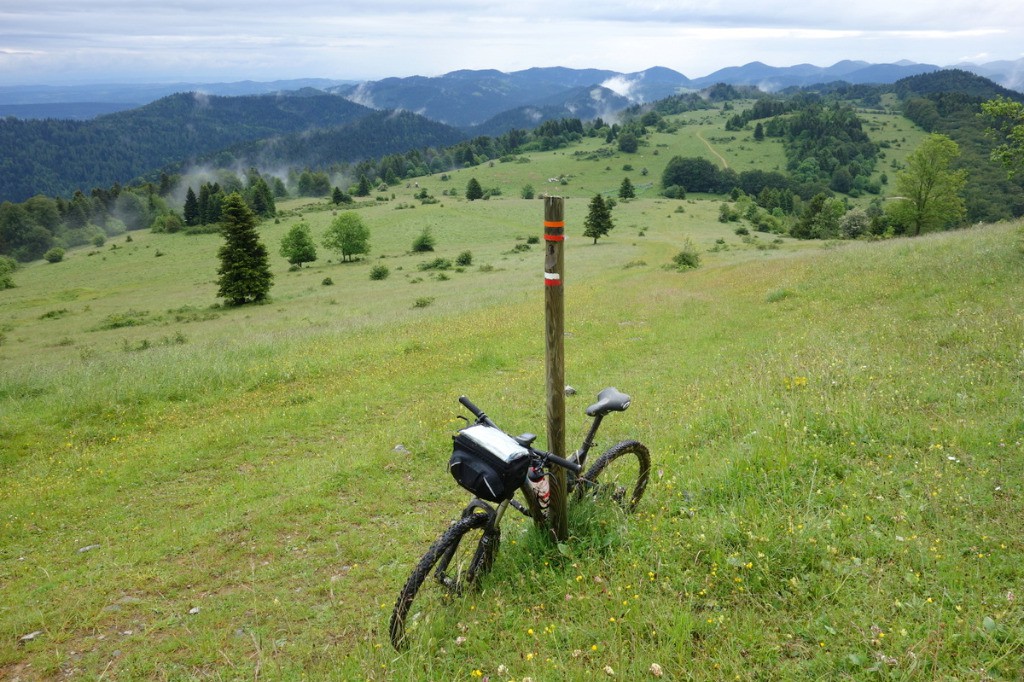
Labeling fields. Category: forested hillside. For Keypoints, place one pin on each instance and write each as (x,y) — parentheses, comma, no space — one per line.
(949,102)
(378,134)
(56,157)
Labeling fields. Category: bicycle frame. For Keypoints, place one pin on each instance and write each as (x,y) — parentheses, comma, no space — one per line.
(578,459)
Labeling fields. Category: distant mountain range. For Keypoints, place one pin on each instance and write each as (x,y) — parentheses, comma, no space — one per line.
(337,122)
(469,98)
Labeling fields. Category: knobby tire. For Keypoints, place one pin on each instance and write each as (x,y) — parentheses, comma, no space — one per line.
(436,565)
(626,491)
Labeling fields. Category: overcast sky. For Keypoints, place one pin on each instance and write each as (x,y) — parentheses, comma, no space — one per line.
(106,41)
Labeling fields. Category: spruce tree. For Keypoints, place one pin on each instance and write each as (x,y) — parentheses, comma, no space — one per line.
(244,272)
(191,210)
(599,220)
(363,190)
(474,190)
(626,190)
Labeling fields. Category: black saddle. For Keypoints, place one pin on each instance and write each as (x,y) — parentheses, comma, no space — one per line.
(609,400)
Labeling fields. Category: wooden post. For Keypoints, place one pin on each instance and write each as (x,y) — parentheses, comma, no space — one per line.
(554,316)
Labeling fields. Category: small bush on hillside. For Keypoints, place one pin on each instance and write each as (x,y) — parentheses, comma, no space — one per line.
(54,255)
(425,242)
(688,258)
(423,302)
(436,264)
(465,258)
(327,282)
(7,267)
(379,272)
(129,318)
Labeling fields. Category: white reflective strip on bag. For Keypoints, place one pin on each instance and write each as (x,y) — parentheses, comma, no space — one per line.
(495,441)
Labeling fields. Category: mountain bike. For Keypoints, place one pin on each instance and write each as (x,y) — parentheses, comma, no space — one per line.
(494,466)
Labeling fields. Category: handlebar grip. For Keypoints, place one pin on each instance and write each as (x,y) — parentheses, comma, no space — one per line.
(483,418)
(565,463)
(468,404)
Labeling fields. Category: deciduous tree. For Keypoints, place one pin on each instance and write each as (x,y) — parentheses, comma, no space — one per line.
(297,245)
(1007,120)
(929,189)
(348,235)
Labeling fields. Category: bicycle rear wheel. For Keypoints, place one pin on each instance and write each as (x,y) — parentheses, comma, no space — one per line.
(455,562)
(619,474)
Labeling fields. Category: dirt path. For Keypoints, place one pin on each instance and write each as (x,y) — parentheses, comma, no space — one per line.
(725,164)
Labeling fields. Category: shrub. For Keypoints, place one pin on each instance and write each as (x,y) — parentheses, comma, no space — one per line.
(129,318)
(54,255)
(425,242)
(533,239)
(327,282)
(7,266)
(379,272)
(423,302)
(465,258)
(436,264)
(688,258)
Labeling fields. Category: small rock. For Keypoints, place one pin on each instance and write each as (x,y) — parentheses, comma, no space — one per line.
(656,670)
(30,636)
(569,390)
(401,449)
(87,548)
(193,611)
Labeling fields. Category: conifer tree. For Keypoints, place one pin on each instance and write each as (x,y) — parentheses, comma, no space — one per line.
(474,190)
(598,222)
(191,210)
(626,190)
(244,272)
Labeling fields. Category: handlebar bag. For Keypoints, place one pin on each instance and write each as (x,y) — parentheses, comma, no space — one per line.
(488,462)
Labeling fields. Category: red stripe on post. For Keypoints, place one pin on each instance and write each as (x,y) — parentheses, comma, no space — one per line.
(553,230)
(552,279)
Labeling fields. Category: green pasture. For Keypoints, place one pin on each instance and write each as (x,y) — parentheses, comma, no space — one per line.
(198,492)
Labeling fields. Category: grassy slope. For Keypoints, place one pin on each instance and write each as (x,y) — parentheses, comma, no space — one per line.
(837,435)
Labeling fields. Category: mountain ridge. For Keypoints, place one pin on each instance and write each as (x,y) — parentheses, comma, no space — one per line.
(653,83)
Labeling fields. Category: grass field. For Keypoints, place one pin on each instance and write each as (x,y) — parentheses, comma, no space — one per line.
(195,492)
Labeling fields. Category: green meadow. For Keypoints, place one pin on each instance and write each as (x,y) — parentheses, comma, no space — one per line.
(199,492)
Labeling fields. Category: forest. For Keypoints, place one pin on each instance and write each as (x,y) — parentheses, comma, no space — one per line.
(827,149)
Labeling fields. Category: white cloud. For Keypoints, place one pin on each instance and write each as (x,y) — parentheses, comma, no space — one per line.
(198,40)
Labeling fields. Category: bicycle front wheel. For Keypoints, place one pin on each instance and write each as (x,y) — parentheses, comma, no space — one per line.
(619,474)
(455,562)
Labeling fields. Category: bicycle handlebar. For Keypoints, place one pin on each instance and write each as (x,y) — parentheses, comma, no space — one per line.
(484,419)
(481,417)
